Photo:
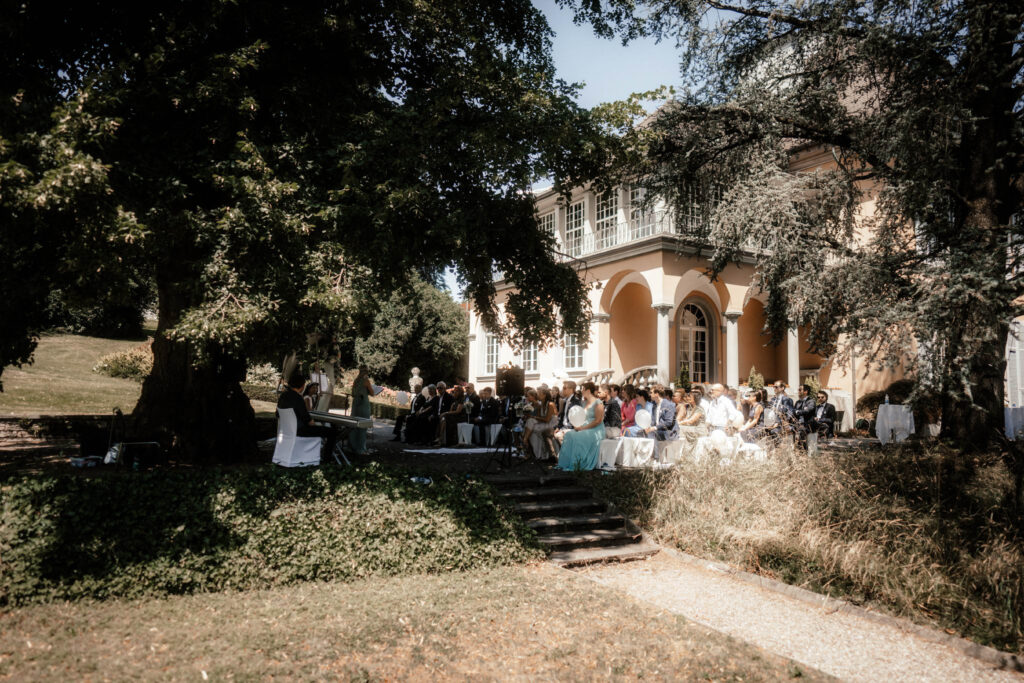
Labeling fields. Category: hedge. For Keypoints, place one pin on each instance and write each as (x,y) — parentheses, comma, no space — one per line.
(124,534)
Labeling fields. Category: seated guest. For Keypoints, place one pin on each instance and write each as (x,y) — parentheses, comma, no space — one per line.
(779,417)
(309,395)
(629,406)
(721,414)
(664,426)
(292,398)
(754,427)
(423,424)
(803,411)
(646,402)
(540,439)
(532,396)
(569,399)
(474,400)
(489,414)
(449,420)
(616,394)
(612,415)
(691,418)
(824,420)
(405,420)
(581,446)
(702,397)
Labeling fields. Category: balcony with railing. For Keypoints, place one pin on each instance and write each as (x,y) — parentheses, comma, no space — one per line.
(644,225)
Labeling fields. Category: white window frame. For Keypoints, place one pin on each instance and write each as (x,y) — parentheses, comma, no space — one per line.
(606,221)
(641,221)
(549,225)
(572,352)
(492,351)
(529,357)
(575,224)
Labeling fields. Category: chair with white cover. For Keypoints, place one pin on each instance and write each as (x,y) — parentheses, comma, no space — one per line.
(292,450)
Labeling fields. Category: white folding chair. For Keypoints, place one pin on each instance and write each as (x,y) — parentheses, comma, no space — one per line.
(292,450)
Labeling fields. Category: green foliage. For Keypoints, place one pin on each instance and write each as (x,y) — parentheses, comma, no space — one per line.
(755,380)
(260,392)
(267,161)
(135,363)
(419,326)
(928,265)
(263,373)
(684,377)
(812,382)
(129,535)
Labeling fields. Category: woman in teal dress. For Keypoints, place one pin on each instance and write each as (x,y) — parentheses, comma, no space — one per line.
(581,447)
(361,390)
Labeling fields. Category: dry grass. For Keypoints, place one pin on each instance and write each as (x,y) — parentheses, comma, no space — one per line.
(529,623)
(878,528)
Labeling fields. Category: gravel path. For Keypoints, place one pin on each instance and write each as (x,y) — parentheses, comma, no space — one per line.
(843,645)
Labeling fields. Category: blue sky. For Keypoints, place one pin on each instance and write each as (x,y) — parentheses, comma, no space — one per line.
(609,70)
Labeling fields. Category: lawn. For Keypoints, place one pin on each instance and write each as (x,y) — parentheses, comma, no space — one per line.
(535,622)
(61,380)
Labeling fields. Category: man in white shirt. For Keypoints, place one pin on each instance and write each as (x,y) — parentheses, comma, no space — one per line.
(721,413)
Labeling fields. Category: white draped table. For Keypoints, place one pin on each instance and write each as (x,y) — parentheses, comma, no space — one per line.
(1013,421)
(894,423)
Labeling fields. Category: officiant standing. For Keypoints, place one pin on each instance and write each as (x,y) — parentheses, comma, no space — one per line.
(361,390)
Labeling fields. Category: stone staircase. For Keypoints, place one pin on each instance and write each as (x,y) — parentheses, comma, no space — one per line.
(574,527)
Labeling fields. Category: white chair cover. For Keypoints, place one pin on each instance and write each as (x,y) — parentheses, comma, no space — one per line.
(635,452)
(669,451)
(465,433)
(894,423)
(291,450)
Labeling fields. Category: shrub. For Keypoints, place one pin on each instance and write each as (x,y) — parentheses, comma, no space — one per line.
(129,534)
(755,380)
(260,392)
(135,363)
(264,374)
(926,534)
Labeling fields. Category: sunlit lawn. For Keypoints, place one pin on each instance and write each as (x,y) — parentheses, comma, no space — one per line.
(61,380)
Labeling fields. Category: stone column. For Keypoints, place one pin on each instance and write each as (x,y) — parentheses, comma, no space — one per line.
(732,348)
(793,358)
(603,340)
(664,373)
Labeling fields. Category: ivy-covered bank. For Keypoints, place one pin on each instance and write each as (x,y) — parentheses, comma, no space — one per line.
(67,537)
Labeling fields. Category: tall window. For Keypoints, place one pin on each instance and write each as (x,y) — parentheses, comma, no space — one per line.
(573,353)
(530,357)
(607,218)
(693,342)
(695,213)
(547,224)
(641,220)
(491,354)
(574,217)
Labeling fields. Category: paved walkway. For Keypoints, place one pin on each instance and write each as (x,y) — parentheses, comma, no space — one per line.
(841,644)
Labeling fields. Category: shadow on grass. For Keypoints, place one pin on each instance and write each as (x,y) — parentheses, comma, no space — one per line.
(181,531)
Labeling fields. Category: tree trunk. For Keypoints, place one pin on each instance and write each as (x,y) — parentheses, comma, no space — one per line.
(201,410)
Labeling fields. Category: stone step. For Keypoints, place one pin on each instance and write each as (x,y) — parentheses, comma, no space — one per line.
(584,556)
(555,525)
(546,493)
(520,481)
(554,508)
(595,538)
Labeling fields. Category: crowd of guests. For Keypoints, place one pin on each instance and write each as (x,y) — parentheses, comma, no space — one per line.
(541,417)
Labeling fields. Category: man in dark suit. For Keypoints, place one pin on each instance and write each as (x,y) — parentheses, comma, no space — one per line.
(409,420)
(803,411)
(292,399)
(665,428)
(489,413)
(824,420)
(423,423)
(569,399)
(783,408)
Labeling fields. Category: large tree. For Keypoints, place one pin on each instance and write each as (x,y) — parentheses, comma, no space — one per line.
(261,152)
(919,105)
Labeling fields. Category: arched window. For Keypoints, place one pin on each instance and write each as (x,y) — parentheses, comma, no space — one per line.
(694,343)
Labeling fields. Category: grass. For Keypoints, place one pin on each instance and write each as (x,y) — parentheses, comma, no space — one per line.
(532,623)
(927,534)
(61,380)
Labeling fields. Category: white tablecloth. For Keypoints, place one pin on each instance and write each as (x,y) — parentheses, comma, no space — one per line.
(1013,421)
(843,401)
(894,423)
